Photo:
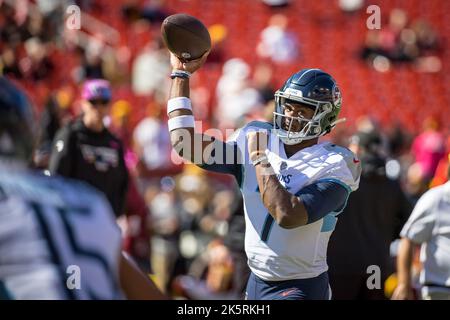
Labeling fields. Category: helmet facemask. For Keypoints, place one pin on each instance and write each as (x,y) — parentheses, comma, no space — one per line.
(309,128)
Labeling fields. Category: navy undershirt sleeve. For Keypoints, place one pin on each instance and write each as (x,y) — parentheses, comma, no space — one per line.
(227,162)
(322,198)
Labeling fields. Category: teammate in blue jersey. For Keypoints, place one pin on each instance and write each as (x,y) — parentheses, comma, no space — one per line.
(293,186)
(58,238)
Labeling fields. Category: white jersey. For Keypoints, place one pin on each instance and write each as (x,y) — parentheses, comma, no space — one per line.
(58,240)
(275,253)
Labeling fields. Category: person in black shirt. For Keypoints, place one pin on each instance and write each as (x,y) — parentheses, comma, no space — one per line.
(372,220)
(85,149)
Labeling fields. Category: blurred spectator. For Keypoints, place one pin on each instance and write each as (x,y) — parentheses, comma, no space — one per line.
(151,144)
(400,41)
(398,140)
(262,81)
(219,267)
(200,221)
(427,38)
(394,41)
(92,60)
(235,96)
(131,11)
(53,14)
(137,228)
(233,241)
(416,184)
(428,148)
(195,194)
(397,40)
(217,264)
(12,32)
(150,70)
(374,137)
(364,233)
(86,150)
(165,221)
(277,42)
(427,41)
(154,11)
(36,65)
(427,227)
(371,48)
(115,64)
(9,63)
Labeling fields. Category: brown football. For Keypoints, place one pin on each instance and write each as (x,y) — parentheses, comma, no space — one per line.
(185,36)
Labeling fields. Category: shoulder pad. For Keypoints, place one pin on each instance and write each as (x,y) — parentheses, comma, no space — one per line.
(350,159)
(55,190)
(255,125)
(259,125)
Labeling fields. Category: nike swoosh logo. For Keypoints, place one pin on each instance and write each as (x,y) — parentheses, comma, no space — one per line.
(286,293)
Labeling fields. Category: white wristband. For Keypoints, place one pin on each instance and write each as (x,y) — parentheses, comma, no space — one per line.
(260,159)
(181,122)
(178,103)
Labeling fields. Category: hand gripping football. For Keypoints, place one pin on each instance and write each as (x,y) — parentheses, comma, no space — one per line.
(185,36)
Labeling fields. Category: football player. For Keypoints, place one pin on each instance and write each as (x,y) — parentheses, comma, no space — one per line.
(293,186)
(58,238)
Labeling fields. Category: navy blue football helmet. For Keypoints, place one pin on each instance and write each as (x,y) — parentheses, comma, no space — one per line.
(16,122)
(316,89)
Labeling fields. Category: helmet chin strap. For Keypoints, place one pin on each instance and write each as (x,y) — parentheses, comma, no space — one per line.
(336,122)
(291,142)
(284,135)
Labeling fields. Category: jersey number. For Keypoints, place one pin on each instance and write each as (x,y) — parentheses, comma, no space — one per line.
(72,243)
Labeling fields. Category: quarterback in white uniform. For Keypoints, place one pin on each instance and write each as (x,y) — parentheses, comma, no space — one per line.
(293,186)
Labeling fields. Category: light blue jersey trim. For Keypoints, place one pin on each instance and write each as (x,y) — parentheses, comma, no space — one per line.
(260,124)
(5,294)
(329,223)
(349,190)
(330,220)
